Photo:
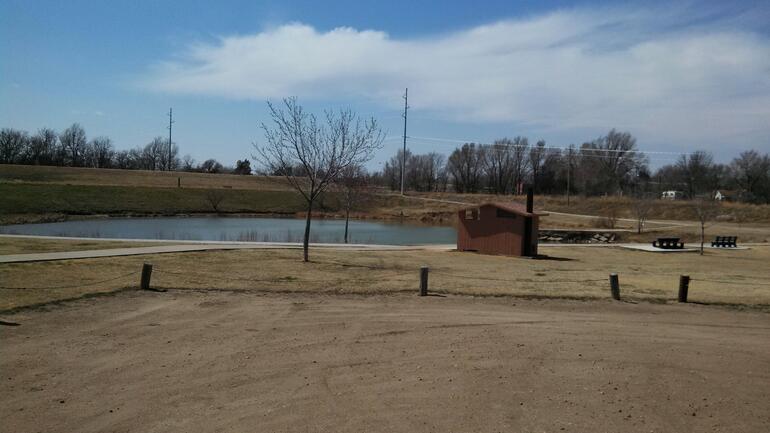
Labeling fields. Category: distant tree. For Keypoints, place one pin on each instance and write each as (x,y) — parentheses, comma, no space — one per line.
(123,160)
(498,165)
(519,150)
(74,143)
(153,153)
(42,148)
(465,166)
(13,144)
(697,172)
(211,166)
(168,161)
(751,174)
(550,172)
(324,151)
(242,167)
(100,152)
(392,170)
(610,161)
(188,163)
(352,185)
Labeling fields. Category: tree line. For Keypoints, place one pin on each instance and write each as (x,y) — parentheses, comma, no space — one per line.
(72,148)
(609,165)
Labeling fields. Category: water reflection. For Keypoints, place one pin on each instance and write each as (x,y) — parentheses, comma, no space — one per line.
(240,229)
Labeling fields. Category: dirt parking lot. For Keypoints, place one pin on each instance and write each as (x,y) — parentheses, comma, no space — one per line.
(205,361)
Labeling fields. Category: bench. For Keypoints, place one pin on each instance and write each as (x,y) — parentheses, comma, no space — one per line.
(668,244)
(725,242)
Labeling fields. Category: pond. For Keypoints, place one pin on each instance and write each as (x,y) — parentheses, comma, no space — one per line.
(250,229)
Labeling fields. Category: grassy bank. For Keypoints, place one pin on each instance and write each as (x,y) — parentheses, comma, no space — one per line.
(41,199)
(143,178)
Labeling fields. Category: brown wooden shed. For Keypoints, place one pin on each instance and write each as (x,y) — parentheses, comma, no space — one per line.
(499,228)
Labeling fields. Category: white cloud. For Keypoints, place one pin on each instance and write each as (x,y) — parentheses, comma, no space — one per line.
(568,70)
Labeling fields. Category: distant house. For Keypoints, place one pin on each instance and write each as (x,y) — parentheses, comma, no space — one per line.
(672,195)
(499,228)
(723,195)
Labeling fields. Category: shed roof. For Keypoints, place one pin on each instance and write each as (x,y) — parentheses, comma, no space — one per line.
(516,208)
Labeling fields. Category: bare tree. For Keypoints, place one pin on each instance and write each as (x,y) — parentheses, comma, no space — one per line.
(706,210)
(188,163)
(42,147)
(73,142)
(751,173)
(215,198)
(697,172)
(641,208)
(153,152)
(323,150)
(498,165)
(13,144)
(211,166)
(169,160)
(465,166)
(520,147)
(611,161)
(101,152)
(352,184)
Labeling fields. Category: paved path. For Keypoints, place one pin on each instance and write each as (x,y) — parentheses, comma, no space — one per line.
(186,246)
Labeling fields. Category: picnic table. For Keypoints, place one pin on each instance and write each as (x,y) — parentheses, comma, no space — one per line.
(725,241)
(668,244)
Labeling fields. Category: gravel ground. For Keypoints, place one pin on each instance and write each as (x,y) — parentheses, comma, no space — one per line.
(204,361)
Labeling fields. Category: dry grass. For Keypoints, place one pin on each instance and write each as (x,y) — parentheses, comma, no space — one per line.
(567,272)
(137,178)
(596,206)
(10,245)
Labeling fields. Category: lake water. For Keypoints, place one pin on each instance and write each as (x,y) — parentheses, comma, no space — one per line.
(241,229)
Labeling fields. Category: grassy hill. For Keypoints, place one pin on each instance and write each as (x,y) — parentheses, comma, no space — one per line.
(32,193)
(137,178)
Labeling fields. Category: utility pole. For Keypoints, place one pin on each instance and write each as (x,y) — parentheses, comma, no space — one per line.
(569,169)
(403,154)
(170,122)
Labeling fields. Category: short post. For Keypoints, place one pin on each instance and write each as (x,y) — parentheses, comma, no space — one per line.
(178,182)
(615,287)
(684,286)
(424,281)
(146,275)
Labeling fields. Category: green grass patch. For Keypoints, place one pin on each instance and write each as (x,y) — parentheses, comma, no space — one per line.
(25,198)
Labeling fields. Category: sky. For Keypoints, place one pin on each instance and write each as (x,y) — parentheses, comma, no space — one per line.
(679,76)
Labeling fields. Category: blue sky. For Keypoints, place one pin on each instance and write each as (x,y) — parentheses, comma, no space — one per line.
(679,76)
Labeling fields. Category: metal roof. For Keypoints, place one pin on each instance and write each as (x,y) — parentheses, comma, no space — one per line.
(516,208)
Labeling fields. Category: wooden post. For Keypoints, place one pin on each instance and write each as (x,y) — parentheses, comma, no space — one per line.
(684,286)
(146,274)
(424,281)
(615,287)
(179,182)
